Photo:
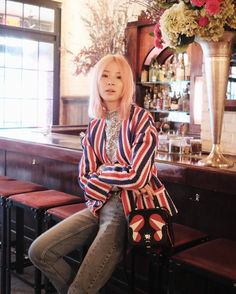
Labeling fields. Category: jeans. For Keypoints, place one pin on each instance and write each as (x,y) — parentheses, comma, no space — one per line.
(106,237)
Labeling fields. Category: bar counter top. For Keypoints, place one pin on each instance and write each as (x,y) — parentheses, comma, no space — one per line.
(67,148)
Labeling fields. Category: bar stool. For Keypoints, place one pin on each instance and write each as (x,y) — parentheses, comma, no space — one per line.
(8,187)
(35,203)
(214,261)
(185,237)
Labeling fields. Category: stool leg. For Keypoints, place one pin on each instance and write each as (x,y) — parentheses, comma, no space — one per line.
(8,249)
(20,240)
(3,246)
(37,273)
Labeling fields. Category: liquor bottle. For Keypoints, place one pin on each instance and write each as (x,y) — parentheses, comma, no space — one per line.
(180,69)
(150,73)
(146,102)
(174,102)
(144,76)
(187,64)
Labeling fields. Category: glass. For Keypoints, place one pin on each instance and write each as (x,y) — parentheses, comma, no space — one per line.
(13,52)
(2,51)
(29,83)
(45,113)
(1,113)
(29,112)
(2,12)
(2,82)
(47,17)
(30,54)
(46,56)
(13,83)
(31,17)
(196,146)
(13,117)
(14,14)
(46,85)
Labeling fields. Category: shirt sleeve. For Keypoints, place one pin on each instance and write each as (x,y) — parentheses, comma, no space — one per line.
(93,187)
(138,173)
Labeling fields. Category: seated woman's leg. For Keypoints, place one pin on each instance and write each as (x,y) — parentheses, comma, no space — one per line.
(105,252)
(48,250)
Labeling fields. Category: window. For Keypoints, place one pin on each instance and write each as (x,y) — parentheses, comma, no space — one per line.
(29,63)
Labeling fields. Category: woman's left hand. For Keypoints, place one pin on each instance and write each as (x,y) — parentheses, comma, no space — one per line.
(146,191)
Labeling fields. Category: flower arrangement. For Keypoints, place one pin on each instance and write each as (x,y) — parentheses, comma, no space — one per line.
(181,21)
(106,27)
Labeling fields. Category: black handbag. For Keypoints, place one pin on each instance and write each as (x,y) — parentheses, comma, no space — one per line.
(150,227)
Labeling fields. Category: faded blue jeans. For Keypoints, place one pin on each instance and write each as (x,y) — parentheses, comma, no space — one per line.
(106,234)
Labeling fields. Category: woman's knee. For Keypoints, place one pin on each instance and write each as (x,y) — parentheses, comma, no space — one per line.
(35,252)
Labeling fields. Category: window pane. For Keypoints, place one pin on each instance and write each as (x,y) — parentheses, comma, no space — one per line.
(2,50)
(45,113)
(2,82)
(46,19)
(12,113)
(2,11)
(29,113)
(31,17)
(46,56)
(30,54)
(13,52)
(29,84)
(14,14)
(46,85)
(1,112)
(13,83)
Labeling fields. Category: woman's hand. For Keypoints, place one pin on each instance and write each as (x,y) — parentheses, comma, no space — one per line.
(146,191)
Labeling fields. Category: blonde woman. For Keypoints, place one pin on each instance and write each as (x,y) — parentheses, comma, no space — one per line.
(117,163)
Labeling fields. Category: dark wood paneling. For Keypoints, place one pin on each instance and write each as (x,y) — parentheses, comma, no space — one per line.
(2,162)
(53,174)
(74,110)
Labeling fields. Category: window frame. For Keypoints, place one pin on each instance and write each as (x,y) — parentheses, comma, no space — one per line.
(43,36)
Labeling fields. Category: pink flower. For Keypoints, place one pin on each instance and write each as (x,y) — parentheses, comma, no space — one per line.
(203,21)
(158,43)
(198,3)
(158,36)
(212,6)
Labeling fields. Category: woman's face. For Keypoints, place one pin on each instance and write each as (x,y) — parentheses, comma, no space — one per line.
(110,86)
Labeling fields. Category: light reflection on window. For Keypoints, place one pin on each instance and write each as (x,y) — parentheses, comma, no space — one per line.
(28,16)
(13,52)
(26,82)
(31,17)
(47,19)
(2,12)
(14,13)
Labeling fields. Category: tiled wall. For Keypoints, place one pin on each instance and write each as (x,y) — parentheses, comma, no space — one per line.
(228,138)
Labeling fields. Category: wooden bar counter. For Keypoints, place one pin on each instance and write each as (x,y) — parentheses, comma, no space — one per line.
(204,196)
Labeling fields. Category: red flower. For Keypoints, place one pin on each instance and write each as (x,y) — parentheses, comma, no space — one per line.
(212,6)
(198,3)
(158,43)
(203,21)
(158,36)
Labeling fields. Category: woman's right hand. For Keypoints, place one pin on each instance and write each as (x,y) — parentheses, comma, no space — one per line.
(146,191)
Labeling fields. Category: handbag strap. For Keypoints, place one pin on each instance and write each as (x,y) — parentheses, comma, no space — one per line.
(133,203)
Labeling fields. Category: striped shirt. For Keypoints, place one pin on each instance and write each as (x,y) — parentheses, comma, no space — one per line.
(133,169)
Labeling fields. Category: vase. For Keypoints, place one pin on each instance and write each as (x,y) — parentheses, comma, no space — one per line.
(217,57)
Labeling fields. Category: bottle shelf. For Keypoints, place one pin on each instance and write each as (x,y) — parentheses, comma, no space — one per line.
(149,84)
(167,111)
